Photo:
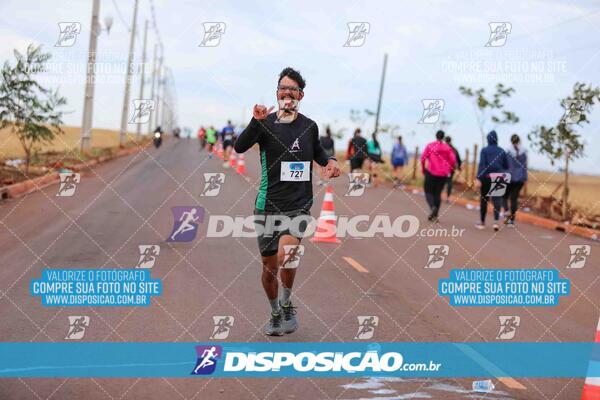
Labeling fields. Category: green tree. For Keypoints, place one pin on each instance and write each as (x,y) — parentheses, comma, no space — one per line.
(492,108)
(563,141)
(361,117)
(28,108)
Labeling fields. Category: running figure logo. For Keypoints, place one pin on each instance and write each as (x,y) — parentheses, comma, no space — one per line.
(579,255)
(499,32)
(212,34)
(357,33)
(366,326)
(500,181)
(508,326)
(432,109)
(207,359)
(185,224)
(141,111)
(223,324)
(437,255)
(148,254)
(212,183)
(358,183)
(77,325)
(68,33)
(68,184)
(291,258)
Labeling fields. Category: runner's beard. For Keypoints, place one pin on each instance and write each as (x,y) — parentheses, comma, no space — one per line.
(288,110)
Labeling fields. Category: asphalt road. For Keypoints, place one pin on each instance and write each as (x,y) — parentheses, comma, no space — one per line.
(127,202)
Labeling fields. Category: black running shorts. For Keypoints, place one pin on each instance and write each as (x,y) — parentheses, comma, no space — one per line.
(270,229)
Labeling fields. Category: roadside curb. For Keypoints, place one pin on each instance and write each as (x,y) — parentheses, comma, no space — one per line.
(528,218)
(33,185)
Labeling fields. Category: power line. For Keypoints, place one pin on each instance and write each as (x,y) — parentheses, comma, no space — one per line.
(154,24)
(121,16)
(523,35)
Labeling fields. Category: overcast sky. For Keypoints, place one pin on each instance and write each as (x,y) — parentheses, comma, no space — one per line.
(433,48)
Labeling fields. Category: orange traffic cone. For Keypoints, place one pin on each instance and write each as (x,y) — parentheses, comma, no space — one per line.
(591,387)
(220,151)
(326,224)
(241,165)
(232,159)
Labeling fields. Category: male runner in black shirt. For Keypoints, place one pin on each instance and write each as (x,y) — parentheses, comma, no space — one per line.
(289,142)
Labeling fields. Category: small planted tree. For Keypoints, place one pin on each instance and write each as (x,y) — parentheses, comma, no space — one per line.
(562,141)
(492,108)
(361,117)
(26,107)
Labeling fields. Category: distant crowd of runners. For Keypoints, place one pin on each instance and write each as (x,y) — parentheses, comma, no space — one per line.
(440,162)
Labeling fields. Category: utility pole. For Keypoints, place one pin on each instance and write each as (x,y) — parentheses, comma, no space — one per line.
(150,121)
(380,93)
(158,83)
(88,99)
(164,97)
(139,126)
(128,77)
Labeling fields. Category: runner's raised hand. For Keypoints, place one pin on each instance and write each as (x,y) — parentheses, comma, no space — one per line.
(260,112)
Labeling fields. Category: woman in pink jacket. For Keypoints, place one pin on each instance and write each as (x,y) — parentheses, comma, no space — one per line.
(437,163)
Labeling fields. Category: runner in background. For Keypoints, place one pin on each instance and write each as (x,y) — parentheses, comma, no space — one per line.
(437,162)
(374,153)
(357,151)
(328,144)
(517,167)
(227,135)
(211,140)
(399,160)
(202,137)
(457,167)
(492,159)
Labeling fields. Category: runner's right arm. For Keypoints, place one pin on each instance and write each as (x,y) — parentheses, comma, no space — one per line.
(251,135)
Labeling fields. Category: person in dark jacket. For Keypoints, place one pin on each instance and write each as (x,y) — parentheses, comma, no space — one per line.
(328,145)
(327,142)
(492,160)
(357,151)
(457,167)
(517,167)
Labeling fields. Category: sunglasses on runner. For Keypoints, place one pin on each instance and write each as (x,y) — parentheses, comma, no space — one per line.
(294,89)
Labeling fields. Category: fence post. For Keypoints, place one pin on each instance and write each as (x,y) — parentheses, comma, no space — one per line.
(474,169)
(415,161)
(466,166)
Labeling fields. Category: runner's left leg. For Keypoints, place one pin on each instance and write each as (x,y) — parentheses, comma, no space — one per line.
(290,321)
(287,274)
(269,281)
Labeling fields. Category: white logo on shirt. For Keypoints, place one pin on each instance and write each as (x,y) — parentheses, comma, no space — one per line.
(295,145)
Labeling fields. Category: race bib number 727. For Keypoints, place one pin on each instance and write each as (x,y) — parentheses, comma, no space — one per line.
(295,171)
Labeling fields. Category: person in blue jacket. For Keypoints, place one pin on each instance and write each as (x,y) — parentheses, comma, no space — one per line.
(399,160)
(517,167)
(492,159)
